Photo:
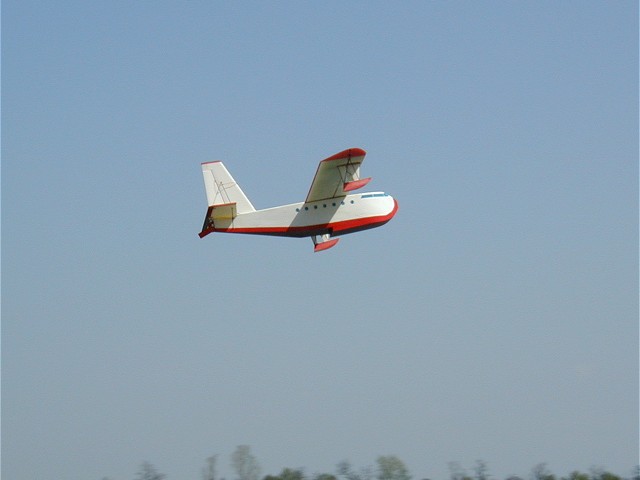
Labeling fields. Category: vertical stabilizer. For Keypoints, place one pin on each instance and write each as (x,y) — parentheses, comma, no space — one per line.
(222,189)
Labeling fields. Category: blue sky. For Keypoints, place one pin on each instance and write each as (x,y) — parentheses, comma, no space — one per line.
(495,317)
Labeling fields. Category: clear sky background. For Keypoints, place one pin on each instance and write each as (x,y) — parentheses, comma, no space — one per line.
(495,317)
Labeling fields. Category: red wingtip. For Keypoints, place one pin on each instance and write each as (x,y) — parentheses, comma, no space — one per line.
(356,184)
(325,245)
(349,152)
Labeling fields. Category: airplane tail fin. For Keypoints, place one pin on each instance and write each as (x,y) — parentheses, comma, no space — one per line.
(222,189)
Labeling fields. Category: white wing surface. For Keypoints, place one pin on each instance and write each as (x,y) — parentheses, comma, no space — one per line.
(338,175)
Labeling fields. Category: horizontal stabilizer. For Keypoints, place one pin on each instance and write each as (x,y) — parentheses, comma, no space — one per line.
(223,211)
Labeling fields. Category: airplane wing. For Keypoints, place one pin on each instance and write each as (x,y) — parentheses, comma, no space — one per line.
(338,175)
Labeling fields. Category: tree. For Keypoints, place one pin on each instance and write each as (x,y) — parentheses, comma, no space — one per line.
(391,467)
(576,475)
(292,474)
(245,464)
(344,469)
(541,472)
(598,473)
(456,472)
(481,471)
(149,472)
(328,476)
(366,473)
(209,470)
(287,474)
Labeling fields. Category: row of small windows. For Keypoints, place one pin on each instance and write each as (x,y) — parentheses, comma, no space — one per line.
(324,205)
(333,204)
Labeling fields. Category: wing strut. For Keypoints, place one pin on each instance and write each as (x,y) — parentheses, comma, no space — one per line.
(350,174)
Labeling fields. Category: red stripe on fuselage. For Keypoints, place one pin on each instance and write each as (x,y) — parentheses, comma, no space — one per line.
(334,228)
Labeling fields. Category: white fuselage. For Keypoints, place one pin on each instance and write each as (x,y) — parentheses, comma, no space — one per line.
(336,216)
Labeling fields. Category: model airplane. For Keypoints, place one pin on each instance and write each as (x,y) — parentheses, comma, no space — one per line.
(328,211)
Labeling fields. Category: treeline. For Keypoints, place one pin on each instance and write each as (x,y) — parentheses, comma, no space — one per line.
(388,467)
